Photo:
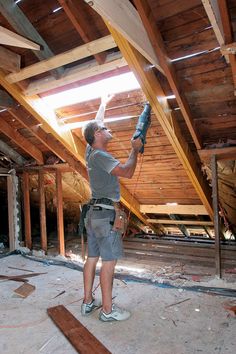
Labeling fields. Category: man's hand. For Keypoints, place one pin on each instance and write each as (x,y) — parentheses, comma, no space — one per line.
(136,144)
(106,98)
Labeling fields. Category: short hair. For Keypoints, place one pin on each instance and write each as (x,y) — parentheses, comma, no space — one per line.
(89,130)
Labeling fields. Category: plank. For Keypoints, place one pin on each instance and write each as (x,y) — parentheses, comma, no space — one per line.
(78,335)
(227,153)
(8,60)
(174,209)
(125,19)
(70,56)
(25,290)
(8,37)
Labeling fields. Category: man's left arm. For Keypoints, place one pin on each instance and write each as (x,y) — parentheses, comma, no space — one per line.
(101,110)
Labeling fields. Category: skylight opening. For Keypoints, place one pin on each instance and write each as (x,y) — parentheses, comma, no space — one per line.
(77,125)
(171,97)
(171,204)
(57,9)
(113,85)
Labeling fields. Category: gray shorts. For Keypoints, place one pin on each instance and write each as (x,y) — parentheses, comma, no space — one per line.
(102,240)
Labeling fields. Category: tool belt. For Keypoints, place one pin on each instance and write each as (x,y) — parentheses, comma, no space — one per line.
(121,221)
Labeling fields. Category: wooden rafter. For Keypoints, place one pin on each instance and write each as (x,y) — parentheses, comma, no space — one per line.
(24,27)
(79,72)
(69,56)
(151,87)
(8,60)
(75,13)
(180,222)
(21,141)
(174,209)
(8,37)
(154,34)
(124,19)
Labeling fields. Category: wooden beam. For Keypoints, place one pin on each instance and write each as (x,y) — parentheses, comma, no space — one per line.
(125,19)
(179,222)
(24,27)
(174,209)
(8,37)
(27,218)
(216,215)
(151,87)
(76,14)
(6,101)
(21,141)
(10,213)
(42,211)
(77,73)
(155,37)
(226,153)
(60,218)
(70,56)
(8,60)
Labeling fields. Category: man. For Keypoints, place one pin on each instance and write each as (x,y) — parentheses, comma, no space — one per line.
(103,240)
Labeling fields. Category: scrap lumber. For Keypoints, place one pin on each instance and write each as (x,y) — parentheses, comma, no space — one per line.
(79,336)
(21,276)
(25,290)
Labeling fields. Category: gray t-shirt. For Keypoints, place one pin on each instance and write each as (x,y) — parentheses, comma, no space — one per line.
(103,184)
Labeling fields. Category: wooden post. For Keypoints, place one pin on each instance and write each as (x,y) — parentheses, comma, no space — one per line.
(10,213)
(216,215)
(28,239)
(42,208)
(60,221)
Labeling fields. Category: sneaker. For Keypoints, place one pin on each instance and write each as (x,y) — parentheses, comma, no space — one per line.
(116,314)
(86,309)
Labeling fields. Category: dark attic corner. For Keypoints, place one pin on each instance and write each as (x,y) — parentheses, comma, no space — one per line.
(117,176)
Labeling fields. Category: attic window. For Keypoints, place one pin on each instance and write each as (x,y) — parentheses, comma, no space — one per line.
(116,84)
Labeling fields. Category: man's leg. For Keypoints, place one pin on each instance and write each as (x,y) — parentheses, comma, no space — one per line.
(89,274)
(106,282)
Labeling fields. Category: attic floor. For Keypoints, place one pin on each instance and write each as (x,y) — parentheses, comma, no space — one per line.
(200,324)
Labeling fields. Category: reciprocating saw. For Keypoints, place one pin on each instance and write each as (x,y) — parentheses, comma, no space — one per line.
(143,124)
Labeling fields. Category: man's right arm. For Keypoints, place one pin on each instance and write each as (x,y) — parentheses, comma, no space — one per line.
(127,169)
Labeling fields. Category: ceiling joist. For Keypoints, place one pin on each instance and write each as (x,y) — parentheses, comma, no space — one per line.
(180,222)
(86,50)
(77,73)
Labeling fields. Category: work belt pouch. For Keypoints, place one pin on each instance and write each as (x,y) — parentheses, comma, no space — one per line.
(121,221)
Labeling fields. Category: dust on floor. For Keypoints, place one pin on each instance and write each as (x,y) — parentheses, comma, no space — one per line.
(163,321)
